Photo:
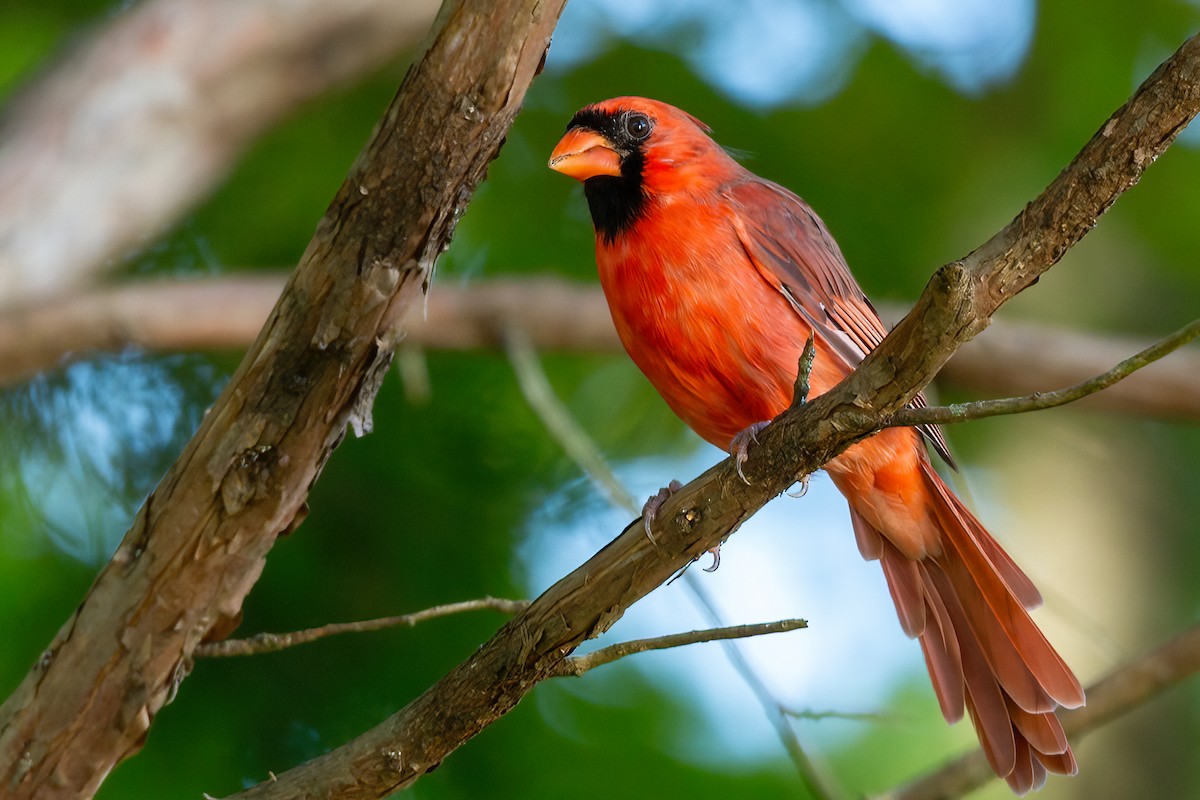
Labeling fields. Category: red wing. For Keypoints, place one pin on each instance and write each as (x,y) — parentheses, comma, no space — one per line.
(794,252)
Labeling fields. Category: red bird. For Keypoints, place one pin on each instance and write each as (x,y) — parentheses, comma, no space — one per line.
(715,279)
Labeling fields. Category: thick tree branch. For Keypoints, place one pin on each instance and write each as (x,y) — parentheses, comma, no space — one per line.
(199,542)
(130,129)
(206,313)
(261,643)
(1116,694)
(958,303)
(962,412)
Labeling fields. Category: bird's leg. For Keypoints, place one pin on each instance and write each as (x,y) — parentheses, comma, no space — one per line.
(740,445)
(654,503)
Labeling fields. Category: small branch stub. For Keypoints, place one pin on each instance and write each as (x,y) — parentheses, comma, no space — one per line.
(804,372)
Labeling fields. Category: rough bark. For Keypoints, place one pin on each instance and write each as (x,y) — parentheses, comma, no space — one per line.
(199,542)
(128,130)
(957,304)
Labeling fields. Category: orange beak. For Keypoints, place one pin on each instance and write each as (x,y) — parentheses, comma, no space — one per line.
(584,154)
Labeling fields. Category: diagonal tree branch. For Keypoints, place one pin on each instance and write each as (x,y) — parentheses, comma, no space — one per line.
(957,304)
(199,542)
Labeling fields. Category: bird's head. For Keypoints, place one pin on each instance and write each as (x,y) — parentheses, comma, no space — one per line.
(630,151)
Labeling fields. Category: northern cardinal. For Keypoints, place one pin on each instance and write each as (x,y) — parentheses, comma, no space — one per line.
(715,279)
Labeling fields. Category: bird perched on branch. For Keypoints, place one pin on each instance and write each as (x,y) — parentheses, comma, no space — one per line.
(716,278)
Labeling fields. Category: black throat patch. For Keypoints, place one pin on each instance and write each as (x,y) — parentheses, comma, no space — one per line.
(616,203)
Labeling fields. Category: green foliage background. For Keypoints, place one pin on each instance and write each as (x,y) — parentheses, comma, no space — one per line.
(431,507)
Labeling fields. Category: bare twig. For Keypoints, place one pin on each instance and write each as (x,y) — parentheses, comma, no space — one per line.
(1015,358)
(849,716)
(962,412)
(274,642)
(578,665)
(134,126)
(1012,358)
(1119,692)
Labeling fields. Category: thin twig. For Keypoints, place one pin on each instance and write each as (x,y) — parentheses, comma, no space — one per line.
(578,665)
(849,716)
(1119,692)
(962,412)
(274,642)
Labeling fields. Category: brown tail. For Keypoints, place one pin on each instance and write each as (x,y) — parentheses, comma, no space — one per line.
(969,607)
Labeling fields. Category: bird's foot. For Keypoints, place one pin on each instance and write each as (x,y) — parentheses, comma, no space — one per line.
(740,446)
(654,503)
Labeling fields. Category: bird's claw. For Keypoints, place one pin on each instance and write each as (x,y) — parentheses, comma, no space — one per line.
(716,554)
(803,488)
(654,503)
(740,445)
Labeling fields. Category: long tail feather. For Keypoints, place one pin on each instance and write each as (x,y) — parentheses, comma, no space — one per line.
(968,606)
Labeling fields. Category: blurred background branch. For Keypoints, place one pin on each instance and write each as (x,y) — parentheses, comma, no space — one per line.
(163,316)
(1121,691)
(129,129)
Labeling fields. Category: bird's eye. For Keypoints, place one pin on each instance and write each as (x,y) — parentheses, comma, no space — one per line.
(638,126)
